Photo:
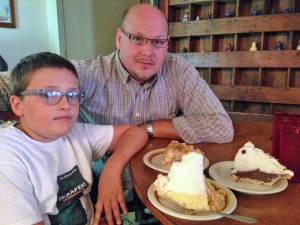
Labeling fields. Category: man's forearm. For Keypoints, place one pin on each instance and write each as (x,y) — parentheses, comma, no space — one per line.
(163,129)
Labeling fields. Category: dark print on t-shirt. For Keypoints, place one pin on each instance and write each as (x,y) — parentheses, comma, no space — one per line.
(70,188)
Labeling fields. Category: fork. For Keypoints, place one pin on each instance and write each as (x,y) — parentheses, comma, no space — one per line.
(169,203)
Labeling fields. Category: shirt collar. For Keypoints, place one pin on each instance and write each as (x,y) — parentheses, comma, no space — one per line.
(121,70)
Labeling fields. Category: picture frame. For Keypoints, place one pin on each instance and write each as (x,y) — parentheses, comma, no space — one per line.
(7,14)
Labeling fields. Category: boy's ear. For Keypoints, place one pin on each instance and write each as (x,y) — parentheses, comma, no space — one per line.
(16,105)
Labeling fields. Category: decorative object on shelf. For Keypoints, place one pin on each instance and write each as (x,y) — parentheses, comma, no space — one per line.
(253,47)
(278,46)
(185,17)
(273,11)
(298,46)
(184,50)
(229,48)
(208,15)
(228,13)
(254,13)
(286,11)
(197,18)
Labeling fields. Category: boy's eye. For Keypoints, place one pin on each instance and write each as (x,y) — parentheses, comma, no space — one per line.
(72,94)
(50,94)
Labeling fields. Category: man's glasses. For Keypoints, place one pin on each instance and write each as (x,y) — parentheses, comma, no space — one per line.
(52,97)
(140,40)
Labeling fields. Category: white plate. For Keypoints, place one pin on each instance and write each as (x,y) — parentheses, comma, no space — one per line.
(221,173)
(153,158)
(231,203)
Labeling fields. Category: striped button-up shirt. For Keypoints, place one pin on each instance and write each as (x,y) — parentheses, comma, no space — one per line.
(112,96)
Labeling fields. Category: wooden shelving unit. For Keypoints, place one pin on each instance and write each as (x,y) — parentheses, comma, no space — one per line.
(250,84)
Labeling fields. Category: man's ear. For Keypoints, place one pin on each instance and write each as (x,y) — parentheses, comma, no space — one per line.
(118,38)
(16,105)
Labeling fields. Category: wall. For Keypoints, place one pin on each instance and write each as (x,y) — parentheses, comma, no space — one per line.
(31,33)
(90,28)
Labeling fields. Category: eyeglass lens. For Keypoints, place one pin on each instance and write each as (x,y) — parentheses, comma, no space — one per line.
(140,40)
(54,97)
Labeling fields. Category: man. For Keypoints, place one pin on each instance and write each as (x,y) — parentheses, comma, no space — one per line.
(143,85)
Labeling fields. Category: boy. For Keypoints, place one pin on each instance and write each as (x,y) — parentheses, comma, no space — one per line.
(45,159)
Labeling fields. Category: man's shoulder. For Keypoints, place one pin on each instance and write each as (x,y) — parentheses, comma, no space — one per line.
(4,91)
(176,59)
(100,60)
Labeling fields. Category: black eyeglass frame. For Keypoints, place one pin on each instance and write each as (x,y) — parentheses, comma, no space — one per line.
(69,95)
(144,40)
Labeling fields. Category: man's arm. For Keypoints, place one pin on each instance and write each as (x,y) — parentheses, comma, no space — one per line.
(163,129)
(127,141)
(202,117)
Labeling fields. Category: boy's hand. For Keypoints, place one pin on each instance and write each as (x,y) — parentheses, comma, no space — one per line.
(110,197)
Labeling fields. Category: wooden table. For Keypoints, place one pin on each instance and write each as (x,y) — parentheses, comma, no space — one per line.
(271,209)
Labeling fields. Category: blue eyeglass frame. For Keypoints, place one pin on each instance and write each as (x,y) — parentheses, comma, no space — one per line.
(61,95)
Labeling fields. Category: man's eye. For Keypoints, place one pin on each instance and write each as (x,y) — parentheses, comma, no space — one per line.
(158,41)
(136,38)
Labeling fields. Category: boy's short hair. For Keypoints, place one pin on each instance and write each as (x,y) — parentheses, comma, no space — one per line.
(22,73)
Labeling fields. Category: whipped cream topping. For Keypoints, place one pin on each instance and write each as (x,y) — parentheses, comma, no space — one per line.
(249,158)
(185,176)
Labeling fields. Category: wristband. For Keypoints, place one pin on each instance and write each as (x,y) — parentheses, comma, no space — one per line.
(149,126)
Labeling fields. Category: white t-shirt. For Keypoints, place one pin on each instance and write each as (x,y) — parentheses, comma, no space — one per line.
(49,181)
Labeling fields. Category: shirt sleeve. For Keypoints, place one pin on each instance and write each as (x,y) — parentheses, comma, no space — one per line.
(97,137)
(203,118)
(4,91)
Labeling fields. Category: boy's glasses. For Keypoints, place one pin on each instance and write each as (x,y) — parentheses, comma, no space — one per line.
(140,40)
(52,97)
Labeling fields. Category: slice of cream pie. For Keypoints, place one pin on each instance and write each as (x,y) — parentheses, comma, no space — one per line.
(175,151)
(186,185)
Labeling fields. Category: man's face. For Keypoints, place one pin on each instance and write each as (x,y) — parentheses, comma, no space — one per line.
(142,61)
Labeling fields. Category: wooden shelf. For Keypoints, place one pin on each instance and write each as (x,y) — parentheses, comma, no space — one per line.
(255,84)
(245,59)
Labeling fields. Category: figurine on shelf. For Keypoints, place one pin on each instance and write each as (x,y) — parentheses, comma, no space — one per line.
(273,11)
(228,13)
(229,48)
(254,13)
(278,46)
(185,17)
(286,11)
(208,15)
(197,18)
(253,47)
(184,50)
(298,46)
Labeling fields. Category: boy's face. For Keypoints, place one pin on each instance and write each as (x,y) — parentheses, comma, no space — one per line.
(44,122)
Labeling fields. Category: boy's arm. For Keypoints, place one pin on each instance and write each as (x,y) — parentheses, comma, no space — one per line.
(127,141)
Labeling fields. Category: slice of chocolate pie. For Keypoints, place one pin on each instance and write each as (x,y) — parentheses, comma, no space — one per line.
(253,165)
